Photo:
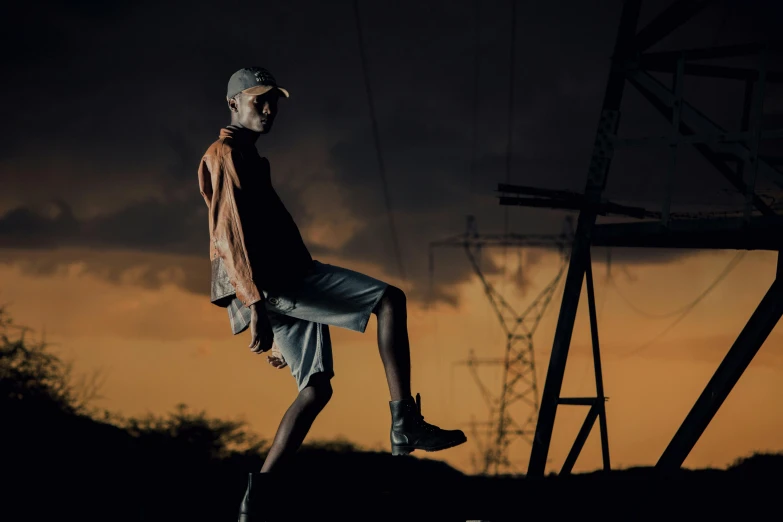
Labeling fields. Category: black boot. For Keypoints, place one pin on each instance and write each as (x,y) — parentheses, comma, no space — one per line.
(250,509)
(409,431)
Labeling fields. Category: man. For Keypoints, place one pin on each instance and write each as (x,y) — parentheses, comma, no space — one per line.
(264,274)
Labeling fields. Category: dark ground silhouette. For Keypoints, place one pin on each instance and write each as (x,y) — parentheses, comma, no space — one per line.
(61,461)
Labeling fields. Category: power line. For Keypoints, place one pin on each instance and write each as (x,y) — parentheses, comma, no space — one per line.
(648,315)
(510,130)
(377,139)
(689,308)
(474,151)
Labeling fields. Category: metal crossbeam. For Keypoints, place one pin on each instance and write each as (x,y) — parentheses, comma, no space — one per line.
(710,71)
(719,139)
(712,53)
(759,233)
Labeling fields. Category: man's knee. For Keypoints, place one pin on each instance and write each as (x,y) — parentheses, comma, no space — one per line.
(318,390)
(393,299)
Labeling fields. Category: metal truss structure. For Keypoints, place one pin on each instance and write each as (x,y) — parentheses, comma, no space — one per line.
(734,155)
(513,413)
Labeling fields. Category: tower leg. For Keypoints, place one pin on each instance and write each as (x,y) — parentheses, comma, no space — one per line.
(759,326)
(596,181)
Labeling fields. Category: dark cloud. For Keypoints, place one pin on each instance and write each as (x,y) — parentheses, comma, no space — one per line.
(116,101)
(149,271)
(26,228)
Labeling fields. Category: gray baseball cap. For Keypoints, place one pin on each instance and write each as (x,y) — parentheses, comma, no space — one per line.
(252,80)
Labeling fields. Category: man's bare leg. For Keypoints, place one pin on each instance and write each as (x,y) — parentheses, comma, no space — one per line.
(290,434)
(393,342)
(409,431)
(297,421)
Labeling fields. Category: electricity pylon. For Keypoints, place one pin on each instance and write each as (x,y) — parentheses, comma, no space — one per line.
(734,156)
(513,413)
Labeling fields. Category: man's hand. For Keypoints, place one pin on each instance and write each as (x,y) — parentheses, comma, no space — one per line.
(261,336)
(276,359)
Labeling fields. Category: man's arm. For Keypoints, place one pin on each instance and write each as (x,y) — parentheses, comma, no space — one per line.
(242,246)
(261,334)
(205,181)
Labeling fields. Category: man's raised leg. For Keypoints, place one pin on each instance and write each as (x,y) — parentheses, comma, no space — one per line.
(409,431)
(393,342)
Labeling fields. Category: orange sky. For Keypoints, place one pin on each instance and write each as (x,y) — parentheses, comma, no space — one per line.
(157,348)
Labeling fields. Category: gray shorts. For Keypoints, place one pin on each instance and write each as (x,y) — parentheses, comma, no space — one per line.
(300,318)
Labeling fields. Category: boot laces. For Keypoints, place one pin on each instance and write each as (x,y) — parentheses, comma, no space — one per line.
(420,418)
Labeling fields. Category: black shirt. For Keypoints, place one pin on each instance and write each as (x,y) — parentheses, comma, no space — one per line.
(278,254)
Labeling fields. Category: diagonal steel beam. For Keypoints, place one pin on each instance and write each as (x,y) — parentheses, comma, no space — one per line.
(581,438)
(692,121)
(670,19)
(698,122)
(756,331)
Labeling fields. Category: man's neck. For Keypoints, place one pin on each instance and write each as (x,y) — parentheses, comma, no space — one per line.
(247,134)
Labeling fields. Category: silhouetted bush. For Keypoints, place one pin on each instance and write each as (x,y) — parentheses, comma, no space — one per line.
(205,438)
(758,466)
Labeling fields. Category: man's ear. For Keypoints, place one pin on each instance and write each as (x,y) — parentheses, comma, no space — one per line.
(232,105)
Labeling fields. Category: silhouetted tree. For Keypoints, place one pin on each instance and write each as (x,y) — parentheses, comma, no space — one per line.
(31,376)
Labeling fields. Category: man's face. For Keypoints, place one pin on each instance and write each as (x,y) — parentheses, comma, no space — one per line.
(257,111)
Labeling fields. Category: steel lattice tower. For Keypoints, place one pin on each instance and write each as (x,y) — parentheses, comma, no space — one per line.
(735,157)
(512,414)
